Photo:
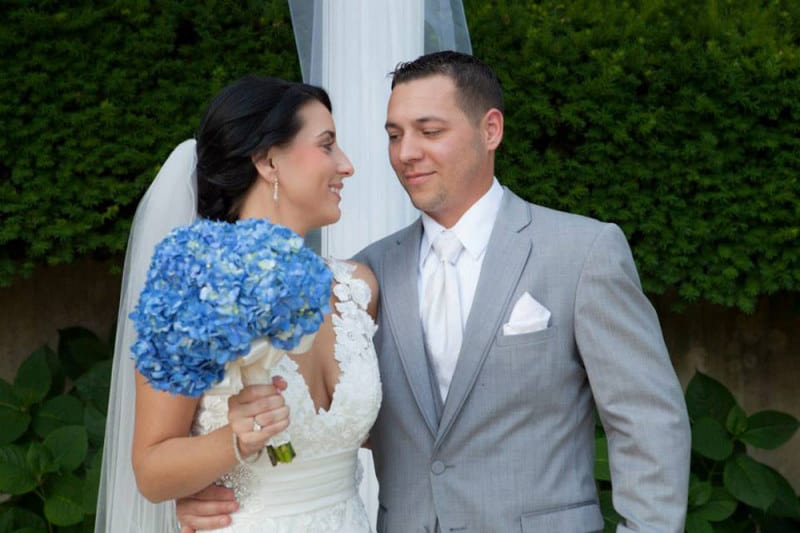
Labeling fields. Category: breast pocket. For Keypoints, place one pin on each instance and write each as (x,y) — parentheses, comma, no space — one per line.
(529,339)
(580,518)
(525,371)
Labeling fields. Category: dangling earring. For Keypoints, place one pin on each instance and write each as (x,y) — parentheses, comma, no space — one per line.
(275,190)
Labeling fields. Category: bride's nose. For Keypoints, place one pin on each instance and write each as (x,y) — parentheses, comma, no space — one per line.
(345,167)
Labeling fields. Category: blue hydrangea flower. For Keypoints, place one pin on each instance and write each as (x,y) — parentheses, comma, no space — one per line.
(212,288)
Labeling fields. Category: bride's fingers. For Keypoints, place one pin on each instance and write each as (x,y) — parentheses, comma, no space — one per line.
(237,410)
(261,419)
(250,442)
(250,395)
(254,392)
(268,419)
(279,383)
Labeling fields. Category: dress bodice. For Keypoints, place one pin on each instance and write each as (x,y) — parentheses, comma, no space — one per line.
(317,491)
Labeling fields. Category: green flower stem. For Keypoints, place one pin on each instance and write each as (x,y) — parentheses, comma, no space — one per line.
(283,453)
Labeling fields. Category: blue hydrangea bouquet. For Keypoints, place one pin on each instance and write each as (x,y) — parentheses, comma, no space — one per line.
(222,303)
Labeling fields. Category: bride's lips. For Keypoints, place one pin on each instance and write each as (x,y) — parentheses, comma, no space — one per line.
(336,189)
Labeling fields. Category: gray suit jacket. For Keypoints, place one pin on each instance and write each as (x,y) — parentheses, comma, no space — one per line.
(512,448)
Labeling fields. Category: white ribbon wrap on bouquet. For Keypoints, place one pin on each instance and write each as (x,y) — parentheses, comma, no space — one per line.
(255,369)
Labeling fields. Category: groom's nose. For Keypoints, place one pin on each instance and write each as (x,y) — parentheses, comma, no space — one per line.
(408,149)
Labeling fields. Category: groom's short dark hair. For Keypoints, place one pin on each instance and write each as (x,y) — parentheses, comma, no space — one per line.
(477,85)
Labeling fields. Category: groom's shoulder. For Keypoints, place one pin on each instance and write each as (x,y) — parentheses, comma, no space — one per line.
(574,232)
(545,217)
(551,220)
(373,251)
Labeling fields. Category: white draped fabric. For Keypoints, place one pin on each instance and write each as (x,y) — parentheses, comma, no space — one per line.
(349,47)
(355,44)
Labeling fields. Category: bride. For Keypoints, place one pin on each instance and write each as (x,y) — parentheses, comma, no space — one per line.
(266,149)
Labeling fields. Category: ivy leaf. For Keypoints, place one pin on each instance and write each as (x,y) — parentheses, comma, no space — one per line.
(602,470)
(33,378)
(610,516)
(79,349)
(13,418)
(707,397)
(92,484)
(736,423)
(699,492)
(787,503)
(769,429)
(64,410)
(19,520)
(710,439)
(719,506)
(63,505)
(93,386)
(40,460)
(15,475)
(696,524)
(57,377)
(68,445)
(749,481)
(95,423)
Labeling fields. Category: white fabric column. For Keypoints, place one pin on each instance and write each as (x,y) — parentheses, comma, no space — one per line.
(355,44)
(361,42)
(349,47)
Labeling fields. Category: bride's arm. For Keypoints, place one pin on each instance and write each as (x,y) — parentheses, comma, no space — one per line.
(170,464)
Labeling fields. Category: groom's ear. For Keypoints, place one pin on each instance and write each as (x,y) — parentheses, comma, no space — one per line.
(492,128)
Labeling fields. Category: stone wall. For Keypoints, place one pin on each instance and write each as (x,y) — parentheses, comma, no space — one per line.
(33,310)
(757,356)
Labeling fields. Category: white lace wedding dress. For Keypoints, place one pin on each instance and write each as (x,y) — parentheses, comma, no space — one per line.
(318,490)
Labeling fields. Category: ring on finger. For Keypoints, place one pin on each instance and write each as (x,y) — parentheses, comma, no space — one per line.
(256,425)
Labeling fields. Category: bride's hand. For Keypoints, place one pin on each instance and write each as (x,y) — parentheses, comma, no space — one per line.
(261,405)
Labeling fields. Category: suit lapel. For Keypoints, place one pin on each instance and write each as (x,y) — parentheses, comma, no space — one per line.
(399,284)
(506,256)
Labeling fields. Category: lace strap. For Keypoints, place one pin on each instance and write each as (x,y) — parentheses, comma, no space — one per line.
(348,288)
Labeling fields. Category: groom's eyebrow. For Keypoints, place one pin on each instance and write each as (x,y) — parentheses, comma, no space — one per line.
(421,121)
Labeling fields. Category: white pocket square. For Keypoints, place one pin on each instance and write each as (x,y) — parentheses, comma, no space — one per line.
(527,316)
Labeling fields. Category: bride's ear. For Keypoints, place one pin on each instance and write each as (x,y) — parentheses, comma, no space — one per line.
(265,166)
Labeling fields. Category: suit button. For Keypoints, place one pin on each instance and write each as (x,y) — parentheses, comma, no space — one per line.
(438,467)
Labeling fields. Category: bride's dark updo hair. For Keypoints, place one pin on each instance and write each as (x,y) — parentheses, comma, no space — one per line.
(246,118)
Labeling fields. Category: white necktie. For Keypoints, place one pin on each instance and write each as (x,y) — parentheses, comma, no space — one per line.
(442,310)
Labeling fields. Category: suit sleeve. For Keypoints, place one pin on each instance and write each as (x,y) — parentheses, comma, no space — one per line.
(637,393)
(364,257)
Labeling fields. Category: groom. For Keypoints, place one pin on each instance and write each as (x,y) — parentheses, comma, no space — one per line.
(502,326)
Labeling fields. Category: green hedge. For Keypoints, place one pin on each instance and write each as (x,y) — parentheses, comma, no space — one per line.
(678,119)
(93,97)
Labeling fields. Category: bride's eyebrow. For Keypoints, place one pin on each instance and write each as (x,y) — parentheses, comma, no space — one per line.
(330,133)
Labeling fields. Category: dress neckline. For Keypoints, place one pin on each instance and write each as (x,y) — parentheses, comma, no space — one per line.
(307,398)
(347,292)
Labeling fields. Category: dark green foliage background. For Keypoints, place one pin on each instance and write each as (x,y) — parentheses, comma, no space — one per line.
(94,95)
(677,119)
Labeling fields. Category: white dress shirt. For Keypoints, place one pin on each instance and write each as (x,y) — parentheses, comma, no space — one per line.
(473,229)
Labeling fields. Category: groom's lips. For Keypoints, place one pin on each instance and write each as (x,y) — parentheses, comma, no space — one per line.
(415,178)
